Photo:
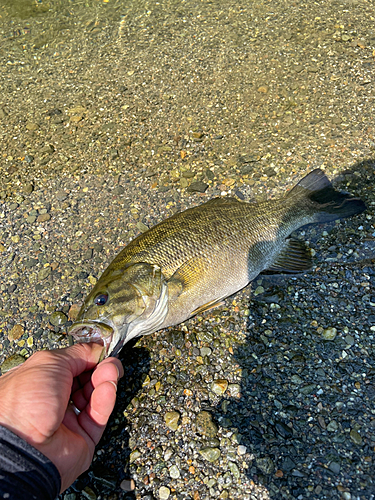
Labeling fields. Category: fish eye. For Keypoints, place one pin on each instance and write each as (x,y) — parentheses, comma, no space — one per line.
(101,299)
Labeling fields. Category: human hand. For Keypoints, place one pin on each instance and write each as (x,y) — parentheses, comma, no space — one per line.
(35,404)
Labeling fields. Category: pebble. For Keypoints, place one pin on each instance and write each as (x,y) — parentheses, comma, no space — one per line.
(234,469)
(205,425)
(210,454)
(174,472)
(205,351)
(219,386)
(127,485)
(134,455)
(28,188)
(197,187)
(171,419)
(11,362)
(349,340)
(44,273)
(332,426)
(241,449)
(265,464)
(334,467)
(296,379)
(234,389)
(32,126)
(164,493)
(58,318)
(88,493)
(355,437)
(73,312)
(43,218)
(329,333)
(142,227)
(16,332)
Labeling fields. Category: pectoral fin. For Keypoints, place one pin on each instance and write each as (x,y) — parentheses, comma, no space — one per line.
(189,273)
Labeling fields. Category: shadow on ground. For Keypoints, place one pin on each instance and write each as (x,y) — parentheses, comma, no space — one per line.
(114,446)
(304,412)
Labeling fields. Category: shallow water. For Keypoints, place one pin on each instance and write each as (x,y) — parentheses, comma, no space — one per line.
(114,115)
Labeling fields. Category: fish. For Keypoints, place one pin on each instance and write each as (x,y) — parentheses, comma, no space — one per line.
(190,262)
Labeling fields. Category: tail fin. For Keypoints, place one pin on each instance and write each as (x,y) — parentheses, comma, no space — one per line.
(327,203)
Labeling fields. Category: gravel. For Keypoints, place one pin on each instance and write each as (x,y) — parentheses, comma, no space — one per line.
(116,115)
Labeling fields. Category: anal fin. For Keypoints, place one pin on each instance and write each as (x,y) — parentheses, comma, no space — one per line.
(208,306)
(295,257)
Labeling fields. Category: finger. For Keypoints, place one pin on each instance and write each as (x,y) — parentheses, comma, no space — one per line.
(96,414)
(80,400)
(84,378)
(80,357)
(117,362)
(105,372)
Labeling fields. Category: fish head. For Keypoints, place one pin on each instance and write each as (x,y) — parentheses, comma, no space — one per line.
(123,304)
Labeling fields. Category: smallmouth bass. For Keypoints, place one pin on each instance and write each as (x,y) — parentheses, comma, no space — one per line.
(190,262)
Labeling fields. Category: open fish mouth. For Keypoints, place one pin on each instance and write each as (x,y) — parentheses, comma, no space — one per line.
(92,331)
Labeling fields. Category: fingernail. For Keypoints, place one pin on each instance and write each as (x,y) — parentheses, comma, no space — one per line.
(114,384)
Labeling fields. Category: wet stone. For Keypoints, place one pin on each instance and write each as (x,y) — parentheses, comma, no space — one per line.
(355,437)
(210,454)
(265,464)
(16,332)
(171,419)
(234,469)
(204,336)
(219,386)
(61,195)
(44,273)
(332,426)
(296,379)
(11,362)
(43,218)
(198,187)
(234,389)
(329,333)
(28,188)
(258,290)
(134,455)
(88,493)
(205,425)
(334,467)
(58,318)
(174,472)
(241,449)
(142,227)
(32,126)
(164,493)
(127,485)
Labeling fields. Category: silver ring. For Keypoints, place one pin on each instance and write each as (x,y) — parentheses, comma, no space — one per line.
(75,409)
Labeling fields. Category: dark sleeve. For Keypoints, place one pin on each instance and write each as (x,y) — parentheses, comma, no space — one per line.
(25,473)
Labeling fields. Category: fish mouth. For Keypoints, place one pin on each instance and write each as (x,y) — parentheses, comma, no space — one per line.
(93,331)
